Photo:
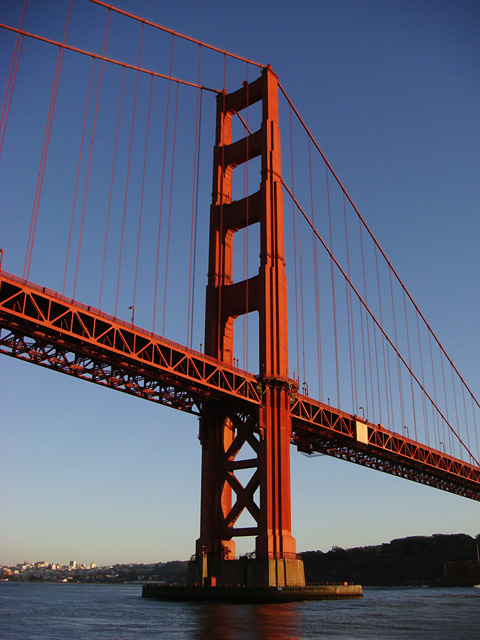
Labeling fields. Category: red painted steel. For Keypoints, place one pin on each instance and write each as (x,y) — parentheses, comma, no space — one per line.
(238,410)
(319,428)
(30,318)
(175,33)
(268,432)
(97,56)
(375,241)
(44,326)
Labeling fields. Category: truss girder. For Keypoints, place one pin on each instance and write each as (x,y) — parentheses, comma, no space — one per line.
(45,329)
(317,428)
(41,327)
(52,319)
(246,433)
(38,351)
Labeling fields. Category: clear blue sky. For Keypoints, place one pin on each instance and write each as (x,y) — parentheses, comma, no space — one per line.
(391,91)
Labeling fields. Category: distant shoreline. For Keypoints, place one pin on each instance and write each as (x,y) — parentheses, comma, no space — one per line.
(440,560)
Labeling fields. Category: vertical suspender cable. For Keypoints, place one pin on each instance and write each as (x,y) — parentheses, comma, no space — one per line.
(389,391)
(465,414)
(31,232)
(192,224)
(333,289)
(11,79)
(127,179)
(196,218)
(143,192)
(300,264)
(435,414)
(9,92)
(364,357)
(475,425)
(399,370)
(368,324)
(455,401)
(80,155)
(220,353)
(400,358)
(385,355)
(170,212)
(410,365)
(90,152)
(350,350)
(222,240)
(246,236)
(302,314)
(107,223)
(424,403)
(351,330)
(86,183)
(43,160)
(474,400)
(446,402)
(377,372)
(317,292)
(160,213)
(294,250)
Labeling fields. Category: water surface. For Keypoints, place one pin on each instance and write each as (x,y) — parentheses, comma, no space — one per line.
(107,612)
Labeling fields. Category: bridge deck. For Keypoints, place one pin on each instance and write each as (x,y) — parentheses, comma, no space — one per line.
(56,332)
(44,328)
(318,428)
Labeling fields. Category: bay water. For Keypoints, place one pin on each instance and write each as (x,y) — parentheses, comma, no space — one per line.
(34,611)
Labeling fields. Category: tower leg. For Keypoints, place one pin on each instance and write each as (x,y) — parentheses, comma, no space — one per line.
(267,429)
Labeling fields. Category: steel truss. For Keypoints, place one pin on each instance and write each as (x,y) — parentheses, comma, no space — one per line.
(91,368)
(43,328)
(317,428)
(48,329)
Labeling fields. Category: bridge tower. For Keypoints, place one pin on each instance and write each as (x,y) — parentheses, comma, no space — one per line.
(228,431)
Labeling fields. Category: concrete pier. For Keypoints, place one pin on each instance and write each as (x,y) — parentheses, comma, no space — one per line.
(251,595)
(246,572)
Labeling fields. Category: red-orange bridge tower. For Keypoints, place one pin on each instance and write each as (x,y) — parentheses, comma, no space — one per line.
(227,428)
(247,421)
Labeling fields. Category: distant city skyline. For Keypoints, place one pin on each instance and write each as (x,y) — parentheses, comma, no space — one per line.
(73,564)
(42,563)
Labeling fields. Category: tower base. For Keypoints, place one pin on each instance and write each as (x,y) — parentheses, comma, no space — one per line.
(251,595)
(248,580)
(246,572)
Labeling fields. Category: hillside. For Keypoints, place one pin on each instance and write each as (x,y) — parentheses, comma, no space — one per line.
(402,562)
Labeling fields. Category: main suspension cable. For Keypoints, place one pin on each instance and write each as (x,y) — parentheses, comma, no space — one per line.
(367,228)
(176,33)
(374,319)
(91,54)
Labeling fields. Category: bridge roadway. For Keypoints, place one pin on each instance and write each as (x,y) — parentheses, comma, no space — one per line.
(42,327)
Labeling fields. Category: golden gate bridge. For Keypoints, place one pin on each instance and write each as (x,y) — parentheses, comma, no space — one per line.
(113,173)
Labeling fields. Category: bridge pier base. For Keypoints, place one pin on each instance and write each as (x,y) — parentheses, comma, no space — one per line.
(246,572)
(246,448)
